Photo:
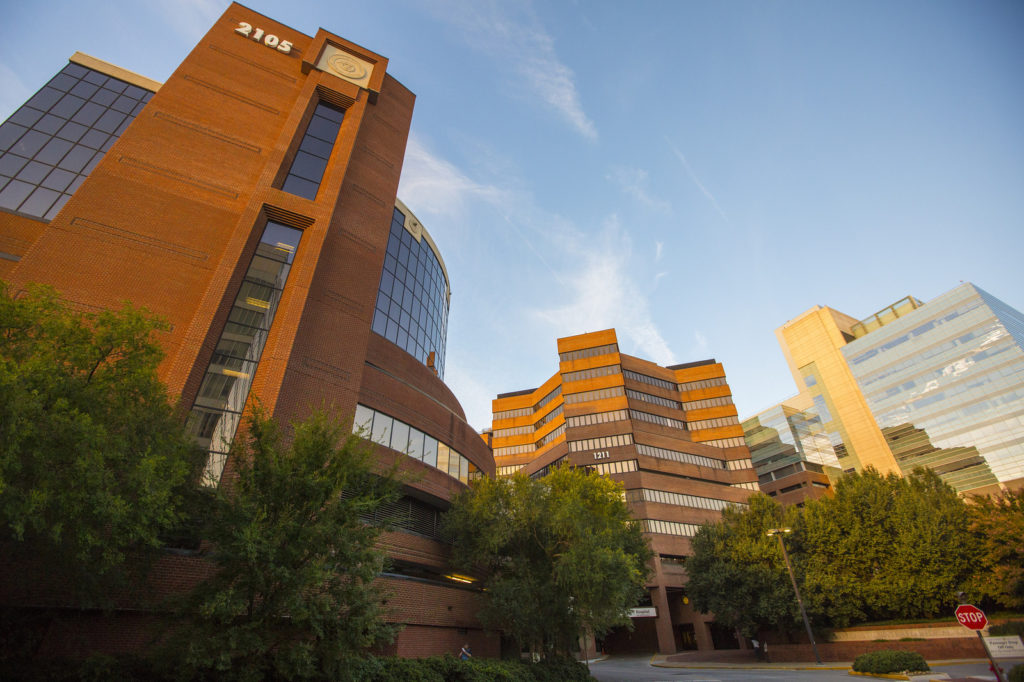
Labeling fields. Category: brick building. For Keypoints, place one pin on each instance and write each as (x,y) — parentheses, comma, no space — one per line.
(250,201)
(669,434)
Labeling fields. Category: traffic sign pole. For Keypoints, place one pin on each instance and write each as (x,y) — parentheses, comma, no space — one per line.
(995,666)
(973,618)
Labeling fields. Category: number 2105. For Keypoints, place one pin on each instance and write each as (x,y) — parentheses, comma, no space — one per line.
(268,39)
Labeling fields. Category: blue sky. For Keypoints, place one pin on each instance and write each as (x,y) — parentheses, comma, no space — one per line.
(693,174)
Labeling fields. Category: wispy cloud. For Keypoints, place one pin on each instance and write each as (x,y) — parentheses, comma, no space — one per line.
(633,181)
(521,43)
(431,185)
(599,281)
(699,349)
(693,176)
(659,248)
(602,293)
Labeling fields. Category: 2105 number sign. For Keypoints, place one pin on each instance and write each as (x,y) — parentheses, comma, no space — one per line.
(261,36)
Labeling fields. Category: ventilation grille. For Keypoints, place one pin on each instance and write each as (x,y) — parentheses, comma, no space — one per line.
(334,97)
(286,217)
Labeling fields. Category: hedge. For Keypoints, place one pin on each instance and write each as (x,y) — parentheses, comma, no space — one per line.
(1010,627)
(445,668)
(890,661)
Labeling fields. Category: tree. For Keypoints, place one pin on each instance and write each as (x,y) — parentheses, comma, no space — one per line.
(883,547)
(737,571)
(94,461)
(294,591)
(558,557)
(998,526)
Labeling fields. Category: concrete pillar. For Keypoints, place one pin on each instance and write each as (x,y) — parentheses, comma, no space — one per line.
(666,638)
(703,634)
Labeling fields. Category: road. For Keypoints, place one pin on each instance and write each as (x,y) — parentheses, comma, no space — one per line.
(626,669)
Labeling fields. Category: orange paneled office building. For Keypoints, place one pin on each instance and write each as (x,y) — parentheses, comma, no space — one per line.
(669,434)
(250,201)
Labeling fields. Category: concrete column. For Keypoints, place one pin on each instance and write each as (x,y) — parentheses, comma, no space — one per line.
(666,638)
(703,634)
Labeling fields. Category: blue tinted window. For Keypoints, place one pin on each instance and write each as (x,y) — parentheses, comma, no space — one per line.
(307,169)
(412,303)
(217,410)
(47,147)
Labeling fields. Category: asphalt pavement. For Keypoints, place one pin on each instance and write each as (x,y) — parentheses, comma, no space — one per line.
(657,668)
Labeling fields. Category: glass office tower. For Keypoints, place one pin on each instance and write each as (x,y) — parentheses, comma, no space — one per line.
(946,386)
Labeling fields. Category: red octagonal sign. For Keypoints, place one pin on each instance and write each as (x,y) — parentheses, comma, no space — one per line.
(971,617)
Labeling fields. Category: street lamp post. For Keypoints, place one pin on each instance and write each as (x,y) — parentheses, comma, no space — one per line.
(779,532)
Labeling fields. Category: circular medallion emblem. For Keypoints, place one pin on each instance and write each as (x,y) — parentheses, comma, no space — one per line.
(347,66)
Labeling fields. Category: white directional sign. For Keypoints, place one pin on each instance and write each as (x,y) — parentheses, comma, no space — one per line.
(1005,647)
(644,612)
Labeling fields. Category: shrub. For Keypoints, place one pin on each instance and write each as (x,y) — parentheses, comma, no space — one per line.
(890,661)
(1010,627)
(445,668)
(1016,673)
(406,669)
(563,669)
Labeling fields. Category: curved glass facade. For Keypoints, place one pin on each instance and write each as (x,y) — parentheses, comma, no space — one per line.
(412,300)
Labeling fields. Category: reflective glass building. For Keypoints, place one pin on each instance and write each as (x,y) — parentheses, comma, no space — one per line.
(937,385)
(792,453)
(945,384)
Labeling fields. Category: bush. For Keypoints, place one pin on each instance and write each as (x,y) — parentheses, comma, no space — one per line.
(1010,627)
(890,661)
(563,669)
(406,669)
(124,668)
(1016,673)
(445,668)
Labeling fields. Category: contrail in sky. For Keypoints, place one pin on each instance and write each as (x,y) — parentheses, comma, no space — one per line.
(696,180)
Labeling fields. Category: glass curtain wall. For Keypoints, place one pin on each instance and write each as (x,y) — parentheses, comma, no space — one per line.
(225,388)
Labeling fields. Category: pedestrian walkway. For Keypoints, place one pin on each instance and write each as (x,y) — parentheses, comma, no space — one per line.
(739,660)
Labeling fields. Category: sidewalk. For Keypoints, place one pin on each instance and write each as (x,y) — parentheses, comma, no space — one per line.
(693,661)
(701,662)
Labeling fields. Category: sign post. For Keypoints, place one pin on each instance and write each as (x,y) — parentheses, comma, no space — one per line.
(973,618)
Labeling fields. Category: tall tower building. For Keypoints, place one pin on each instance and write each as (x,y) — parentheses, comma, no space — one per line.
(937,385)
(251,202)
(812,344)
(669,434)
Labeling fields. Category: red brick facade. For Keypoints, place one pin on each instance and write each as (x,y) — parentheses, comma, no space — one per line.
(170,219)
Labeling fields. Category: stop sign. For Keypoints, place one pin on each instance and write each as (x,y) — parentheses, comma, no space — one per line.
(971,617)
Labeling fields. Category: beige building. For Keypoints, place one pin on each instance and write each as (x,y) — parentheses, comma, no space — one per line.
(812,345)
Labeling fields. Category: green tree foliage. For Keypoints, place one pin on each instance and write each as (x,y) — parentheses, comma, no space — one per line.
(558,557)
(737,571)
(94,462)
(998,525)
(883,548)
(294,594)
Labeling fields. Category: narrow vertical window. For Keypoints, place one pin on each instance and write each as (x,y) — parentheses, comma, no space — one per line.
(225,388)
(311,160)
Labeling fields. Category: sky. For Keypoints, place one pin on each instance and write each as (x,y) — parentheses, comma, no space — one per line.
(693,174)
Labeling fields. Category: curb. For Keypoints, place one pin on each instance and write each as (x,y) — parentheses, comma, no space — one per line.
(739,667)
(885,676)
